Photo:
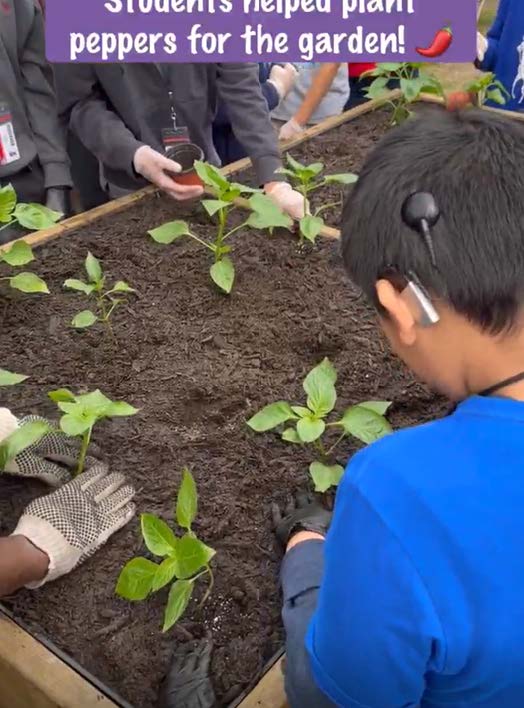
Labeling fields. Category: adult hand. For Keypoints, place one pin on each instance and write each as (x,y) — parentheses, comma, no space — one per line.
(72,523)
(156,167)
(302,513)
(283,78)
(188,681)
(482,46)
(286,198)
(290,130)
(59,199)
(51,460)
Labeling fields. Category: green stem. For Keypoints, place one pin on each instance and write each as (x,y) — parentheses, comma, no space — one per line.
(86,439)
(339,440)
(209,587)
(332,205)
(202,242)
(237,228)
(220,235)
(320,447)
(14,220)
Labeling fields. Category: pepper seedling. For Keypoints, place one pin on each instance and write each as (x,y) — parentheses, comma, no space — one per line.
(488,88)
(185,558)
(264,215)
(307,179)
(363,421)
(105,301)
(19,255)
(31,216)
(413,81)
(82,412)
(20,439)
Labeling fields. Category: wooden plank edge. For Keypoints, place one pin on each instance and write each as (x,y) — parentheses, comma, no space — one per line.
(269,691)
(514,115)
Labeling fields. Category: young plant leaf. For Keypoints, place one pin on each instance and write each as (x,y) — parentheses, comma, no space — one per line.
(178,600)
(380,407)
(496,96)
(214,205)
(311,226)
(187,501)
(310,429)
(76,424)
(8,378)
(165,573)
(270,416)
(319,385)
(158,537)
(79,285)
(211,176)
(93,268)
(343,178)
(364,424)
(84,319)
(28,283)
(223,274)
(167,233)
(24,436)
(7,203)
(122,287)
(62,395)
(119,409)
(266,214)
(135,581)
(301,411)
(325,476)
(295,165)
(290,435)
(19,254)
(36,216)
(192,555)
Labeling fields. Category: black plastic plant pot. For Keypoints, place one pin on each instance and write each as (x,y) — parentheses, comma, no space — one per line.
(186,154)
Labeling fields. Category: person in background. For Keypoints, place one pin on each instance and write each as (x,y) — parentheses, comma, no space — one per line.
(320,91)
(413,597)
(33,156)
(57,532)
(358,84)
(276,81)
(502,52)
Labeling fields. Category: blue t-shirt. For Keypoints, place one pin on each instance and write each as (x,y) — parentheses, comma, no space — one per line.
(422,601)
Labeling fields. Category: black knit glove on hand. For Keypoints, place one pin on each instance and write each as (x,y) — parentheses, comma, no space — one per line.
(302,513)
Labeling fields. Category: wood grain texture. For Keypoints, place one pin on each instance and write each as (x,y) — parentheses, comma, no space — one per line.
(269,692)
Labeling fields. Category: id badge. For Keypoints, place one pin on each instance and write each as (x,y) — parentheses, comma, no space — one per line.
(9,151)
(174,136)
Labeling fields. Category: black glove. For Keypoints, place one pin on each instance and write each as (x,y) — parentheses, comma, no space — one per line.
(188,682)
(59,199)
(301,514)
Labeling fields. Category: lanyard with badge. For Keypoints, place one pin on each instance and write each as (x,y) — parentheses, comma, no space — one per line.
(9,151)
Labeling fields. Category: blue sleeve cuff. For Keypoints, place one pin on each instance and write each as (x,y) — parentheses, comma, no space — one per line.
(302,569)
(271,95)
(490,56)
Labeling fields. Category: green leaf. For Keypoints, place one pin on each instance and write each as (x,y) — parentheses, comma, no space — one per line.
(136,579)
(270,416)
(7,203)
(122,287)
(167,233)
(74,425)
(94,402)
(244,189)
(93,268)
(19,254)
(165,573)
(120,409)
(26,435)
(390,66)
(158,537)
(223,274)
(192,555)
(28,283)
(342,178)
(284,171)
(379,407)
(310,429)
(378,88)
(178,600)
(84,319)
(36,216)
(266,214)
(290,435)
(62,394)
(325,476)
(301,411)
(7,378)
(74,284)
(214,205)
(211,176)
(319,385)
(187,501)
(496,96)
(295,165)
(364,424)
(311,226)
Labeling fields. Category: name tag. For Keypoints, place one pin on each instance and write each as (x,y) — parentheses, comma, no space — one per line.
(8,146)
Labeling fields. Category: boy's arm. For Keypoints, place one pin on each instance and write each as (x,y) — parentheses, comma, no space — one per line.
(21,563)
(487,62)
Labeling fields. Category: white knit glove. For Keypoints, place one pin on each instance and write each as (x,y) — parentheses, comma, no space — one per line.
(290,130)
(283,78)
(155,167)
(482,46)
(286,198)
(72,523)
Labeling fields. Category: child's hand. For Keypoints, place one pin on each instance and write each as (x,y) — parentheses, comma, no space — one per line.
(290,130)
(283,78)
(482,46)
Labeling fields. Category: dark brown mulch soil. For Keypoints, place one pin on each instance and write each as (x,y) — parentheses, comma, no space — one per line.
(197,364)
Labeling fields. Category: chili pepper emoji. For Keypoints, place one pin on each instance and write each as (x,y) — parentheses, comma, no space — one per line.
(440,44)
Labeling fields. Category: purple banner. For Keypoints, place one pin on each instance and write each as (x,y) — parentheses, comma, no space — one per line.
(250,30)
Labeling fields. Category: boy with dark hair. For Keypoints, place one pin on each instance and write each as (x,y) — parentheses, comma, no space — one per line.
(415,598)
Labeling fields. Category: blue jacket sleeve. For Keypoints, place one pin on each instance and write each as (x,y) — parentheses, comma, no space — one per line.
(372,636)
(493,37)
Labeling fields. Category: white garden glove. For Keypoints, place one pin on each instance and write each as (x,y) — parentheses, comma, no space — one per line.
(283,78)
(482,46)
(286,198)
(51,460)
(71,524)
(290,130)
(154,167)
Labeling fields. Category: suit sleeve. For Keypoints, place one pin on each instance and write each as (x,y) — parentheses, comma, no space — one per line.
(493,37)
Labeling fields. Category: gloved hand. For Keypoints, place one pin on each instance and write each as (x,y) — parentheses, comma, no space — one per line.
(187,683)
(51,460)
(290,130)
(286,198)
(302,513)
(283,78)
(59,199)
(482,46)
(153,166)
(72,523)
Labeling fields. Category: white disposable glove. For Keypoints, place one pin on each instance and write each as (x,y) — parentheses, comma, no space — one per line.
(283,78)
(482,46)
(154,167)
(51,460)
(286,198)
(72,523)
(290,130)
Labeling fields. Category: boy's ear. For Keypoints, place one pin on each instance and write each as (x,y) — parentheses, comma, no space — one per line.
(398,312)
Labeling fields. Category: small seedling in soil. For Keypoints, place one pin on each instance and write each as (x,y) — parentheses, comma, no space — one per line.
(105,301)
(27,434)
(488,88)
(413,81)
(82,412)
(364,421)
(264,215)
(31,216)
(185,558)
(308,179)
(19,255)
(8,378)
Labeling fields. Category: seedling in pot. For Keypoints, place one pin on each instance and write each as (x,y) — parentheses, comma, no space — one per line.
(82,412)
(31,216)
(19,255)
(309,426)
(104,301)
(185,558)
(307,179)
(265,215)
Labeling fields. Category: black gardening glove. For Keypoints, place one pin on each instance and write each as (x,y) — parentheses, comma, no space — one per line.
(59,199)
(188,682)
(302,513)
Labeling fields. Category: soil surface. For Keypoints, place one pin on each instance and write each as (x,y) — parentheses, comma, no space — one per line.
(197,364)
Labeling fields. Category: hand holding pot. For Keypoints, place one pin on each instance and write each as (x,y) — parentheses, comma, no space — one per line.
(71,524)
(155,167)
(286,198)
(302,513)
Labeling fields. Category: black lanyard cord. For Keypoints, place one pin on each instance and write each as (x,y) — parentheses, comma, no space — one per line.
(502,384)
